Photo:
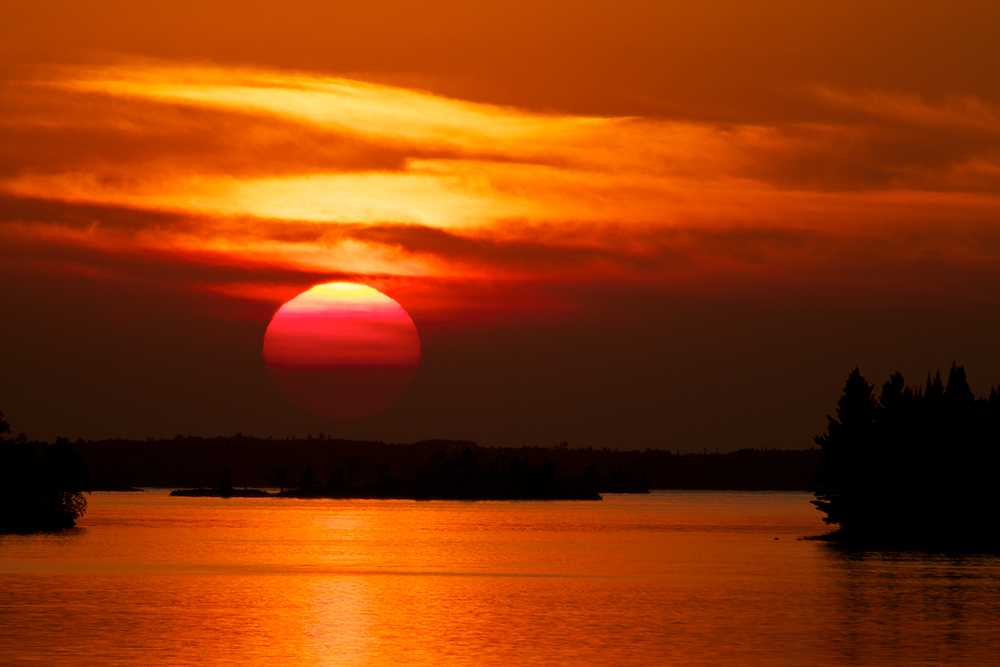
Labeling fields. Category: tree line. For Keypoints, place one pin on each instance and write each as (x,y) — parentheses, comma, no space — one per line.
(191,462)
(912,467)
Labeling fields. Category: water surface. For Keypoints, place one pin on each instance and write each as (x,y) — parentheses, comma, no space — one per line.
(672,578)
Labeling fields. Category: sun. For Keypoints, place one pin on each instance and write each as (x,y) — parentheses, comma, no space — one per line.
(342,350)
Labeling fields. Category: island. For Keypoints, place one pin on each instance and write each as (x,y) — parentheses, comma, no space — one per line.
(455,476)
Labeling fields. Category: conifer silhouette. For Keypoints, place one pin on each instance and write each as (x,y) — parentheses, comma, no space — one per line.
(913,468)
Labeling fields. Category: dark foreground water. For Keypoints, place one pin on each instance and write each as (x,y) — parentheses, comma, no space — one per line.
(666,579)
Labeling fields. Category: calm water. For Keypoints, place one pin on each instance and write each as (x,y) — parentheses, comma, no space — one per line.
(666,579)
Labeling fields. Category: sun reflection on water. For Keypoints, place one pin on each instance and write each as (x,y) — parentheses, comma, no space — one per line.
(669,578)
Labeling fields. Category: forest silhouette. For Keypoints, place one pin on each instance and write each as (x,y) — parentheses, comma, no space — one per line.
(39,489)
(466,474)
(321,466)
(909,468)
(431,468)
(912,467)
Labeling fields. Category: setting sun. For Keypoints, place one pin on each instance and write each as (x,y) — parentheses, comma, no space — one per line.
(342,350)
(499,333)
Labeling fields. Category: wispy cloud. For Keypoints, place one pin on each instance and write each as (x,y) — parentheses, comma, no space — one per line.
(318,176)
(954,111)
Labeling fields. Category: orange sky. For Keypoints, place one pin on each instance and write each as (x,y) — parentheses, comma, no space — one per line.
(521,164)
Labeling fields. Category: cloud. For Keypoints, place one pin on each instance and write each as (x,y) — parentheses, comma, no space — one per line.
(314,176)
(954,111)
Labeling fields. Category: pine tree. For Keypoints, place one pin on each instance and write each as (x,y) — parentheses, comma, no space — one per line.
(840,482)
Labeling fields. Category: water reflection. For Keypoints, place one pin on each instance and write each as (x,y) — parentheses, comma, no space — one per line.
(679,579)
(916,608)
(338,621)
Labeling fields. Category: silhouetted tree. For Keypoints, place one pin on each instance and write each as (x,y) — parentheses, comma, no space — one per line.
(279,478)
(335,483)
(309,479)
(915,467)
(840,484)
(40,490)
(351,464)
(226,482)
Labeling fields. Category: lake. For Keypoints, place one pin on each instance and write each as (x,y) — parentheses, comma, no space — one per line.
(670,578)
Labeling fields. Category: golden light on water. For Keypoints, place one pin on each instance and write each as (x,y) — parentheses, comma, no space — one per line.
(673,577)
